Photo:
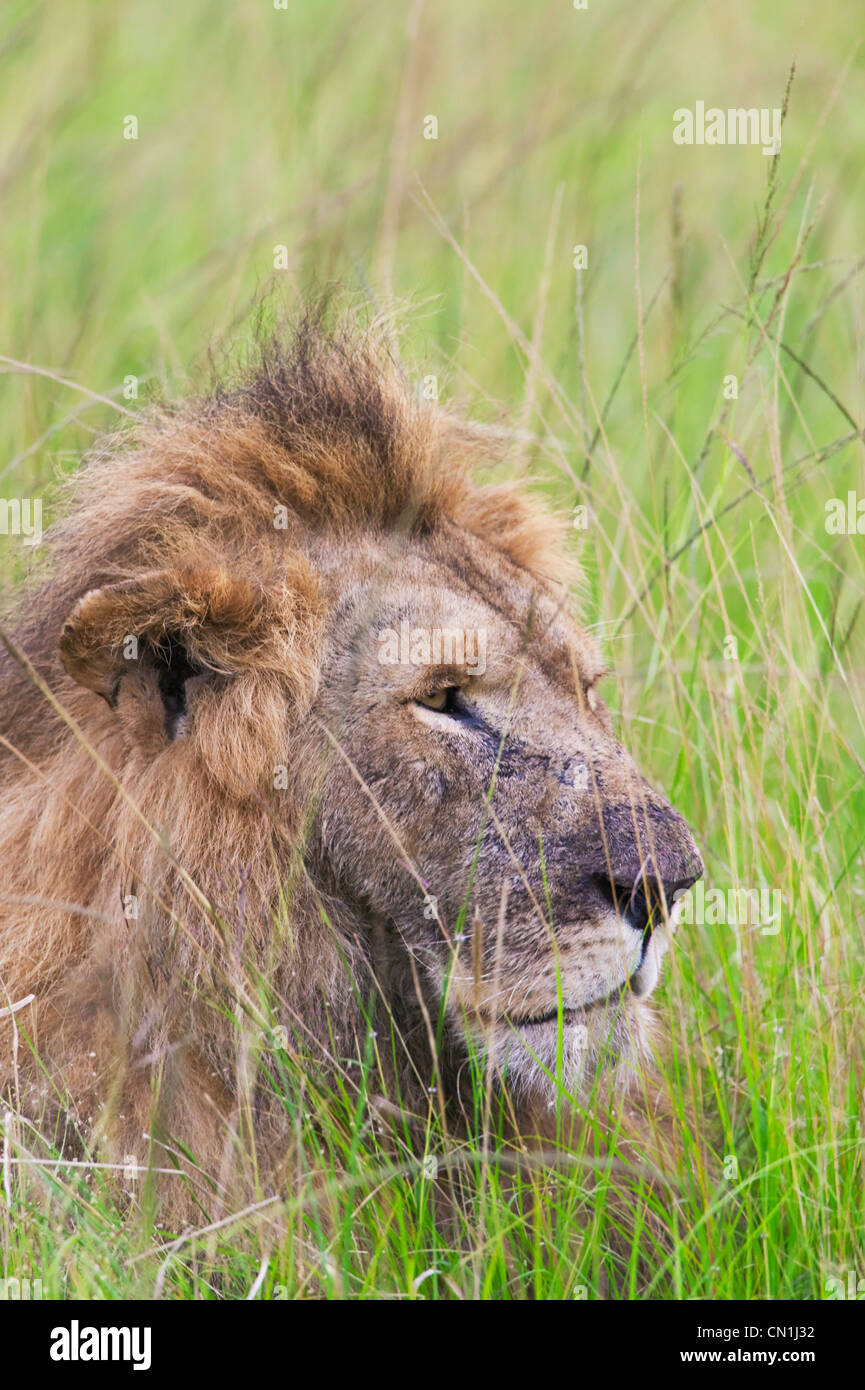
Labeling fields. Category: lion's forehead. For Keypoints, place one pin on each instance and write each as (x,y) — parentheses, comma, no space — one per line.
(427,598)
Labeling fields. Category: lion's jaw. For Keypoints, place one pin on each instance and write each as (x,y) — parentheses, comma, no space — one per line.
(563,1049)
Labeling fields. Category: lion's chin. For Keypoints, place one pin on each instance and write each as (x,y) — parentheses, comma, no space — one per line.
(536,1059)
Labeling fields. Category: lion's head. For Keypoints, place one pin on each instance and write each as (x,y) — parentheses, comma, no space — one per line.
(478,764)
(332,724)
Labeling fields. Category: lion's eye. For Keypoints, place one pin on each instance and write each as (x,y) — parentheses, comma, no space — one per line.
(444,700)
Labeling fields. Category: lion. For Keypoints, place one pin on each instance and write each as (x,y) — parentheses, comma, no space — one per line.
(301,740)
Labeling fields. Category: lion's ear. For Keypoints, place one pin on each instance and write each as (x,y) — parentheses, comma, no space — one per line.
(169,625)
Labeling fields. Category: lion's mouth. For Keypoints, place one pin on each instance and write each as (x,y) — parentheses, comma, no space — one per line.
(645,977)
(551,1017)
(640,983)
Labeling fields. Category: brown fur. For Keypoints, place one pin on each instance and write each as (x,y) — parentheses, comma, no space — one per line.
(242,818)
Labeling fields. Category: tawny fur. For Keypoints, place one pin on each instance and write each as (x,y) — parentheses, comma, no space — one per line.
(235,818)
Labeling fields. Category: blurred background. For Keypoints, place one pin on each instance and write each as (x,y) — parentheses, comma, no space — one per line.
(305,126)
(450,157)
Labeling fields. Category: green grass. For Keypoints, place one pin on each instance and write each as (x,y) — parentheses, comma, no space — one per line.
(304,128)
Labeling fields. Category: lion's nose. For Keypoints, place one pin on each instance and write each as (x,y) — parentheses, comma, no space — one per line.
(642,900)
